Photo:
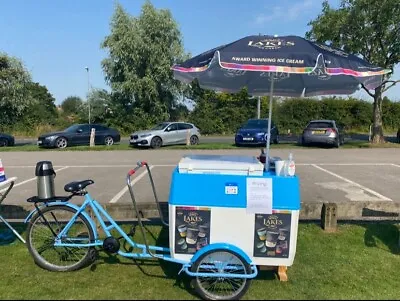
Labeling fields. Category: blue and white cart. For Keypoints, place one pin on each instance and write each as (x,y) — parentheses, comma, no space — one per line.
(227,219)
(225,207)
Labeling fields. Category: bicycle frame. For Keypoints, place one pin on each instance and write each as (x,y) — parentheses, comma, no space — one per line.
(146,249)
(99,212)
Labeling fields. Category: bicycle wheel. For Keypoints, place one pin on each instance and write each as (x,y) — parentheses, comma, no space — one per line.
(41,233)
(220,288)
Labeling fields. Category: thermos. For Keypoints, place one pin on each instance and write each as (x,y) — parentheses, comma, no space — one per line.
(45,175)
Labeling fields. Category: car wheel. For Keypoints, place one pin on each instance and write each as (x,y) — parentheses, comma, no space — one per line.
(3,142)
(276,140)
(61,142)
(109,141)
(337,143)
(194,140)
(156,142)
(303,142)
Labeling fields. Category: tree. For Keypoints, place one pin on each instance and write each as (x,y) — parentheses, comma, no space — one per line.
(370,29)
(141,51)
(42,109)
(14,91)
(100,106)
(72,105)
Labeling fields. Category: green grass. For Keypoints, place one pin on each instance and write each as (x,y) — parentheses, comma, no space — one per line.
(209,146)
(357,262)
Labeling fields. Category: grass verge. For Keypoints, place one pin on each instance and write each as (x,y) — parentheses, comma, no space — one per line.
(359,261)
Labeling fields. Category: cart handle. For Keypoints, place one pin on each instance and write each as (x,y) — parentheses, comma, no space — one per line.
(133,171)
(140,164)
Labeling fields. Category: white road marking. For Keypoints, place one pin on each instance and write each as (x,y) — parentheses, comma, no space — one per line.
(354,193)
(133,182)
(353,183)
(32,179)
(395,165)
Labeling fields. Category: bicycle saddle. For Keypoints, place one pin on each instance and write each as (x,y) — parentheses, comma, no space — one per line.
(77,185)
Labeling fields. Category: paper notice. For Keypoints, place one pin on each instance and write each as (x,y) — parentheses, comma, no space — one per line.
(259,195)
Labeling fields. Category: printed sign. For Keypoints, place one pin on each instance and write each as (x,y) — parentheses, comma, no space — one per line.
(192,230)
(259,195)
(272,235)
(231,188)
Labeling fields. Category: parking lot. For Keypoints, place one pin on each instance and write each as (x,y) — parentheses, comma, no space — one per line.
(355,179)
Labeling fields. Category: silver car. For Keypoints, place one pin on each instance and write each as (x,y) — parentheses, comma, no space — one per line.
(166,133)
(323,131)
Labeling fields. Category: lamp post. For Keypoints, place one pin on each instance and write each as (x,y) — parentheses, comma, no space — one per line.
(88,80)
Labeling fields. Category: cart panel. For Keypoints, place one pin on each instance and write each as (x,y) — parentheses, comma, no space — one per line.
(218,190)
(257,235)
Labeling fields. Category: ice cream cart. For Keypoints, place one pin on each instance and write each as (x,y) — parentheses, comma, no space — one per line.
(232,200)
(227,218)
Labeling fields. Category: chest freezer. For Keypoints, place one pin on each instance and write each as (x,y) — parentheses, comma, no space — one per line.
(221,164)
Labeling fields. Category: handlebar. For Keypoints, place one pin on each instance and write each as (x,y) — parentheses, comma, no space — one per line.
(131,172)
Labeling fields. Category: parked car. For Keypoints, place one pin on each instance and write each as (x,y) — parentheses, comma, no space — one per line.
(79,134)
(254,132)
(324,132)
(398,136)
(6,140)
(166,133)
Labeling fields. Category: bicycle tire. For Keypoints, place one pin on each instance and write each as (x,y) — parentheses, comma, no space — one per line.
(45,263)
(204,293)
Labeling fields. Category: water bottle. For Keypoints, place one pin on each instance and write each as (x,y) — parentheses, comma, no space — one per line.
(291,167)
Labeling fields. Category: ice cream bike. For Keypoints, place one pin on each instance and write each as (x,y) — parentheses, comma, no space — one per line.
(229,215)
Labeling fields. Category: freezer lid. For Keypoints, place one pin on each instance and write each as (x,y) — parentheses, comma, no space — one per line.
(225,164)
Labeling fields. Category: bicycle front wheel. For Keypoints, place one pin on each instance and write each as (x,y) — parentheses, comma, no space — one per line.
(41,234)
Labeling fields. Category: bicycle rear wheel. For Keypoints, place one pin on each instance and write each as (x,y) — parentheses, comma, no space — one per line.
(40,240)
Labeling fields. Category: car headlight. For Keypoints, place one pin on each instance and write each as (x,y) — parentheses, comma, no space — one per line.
(51,137)
(145,135)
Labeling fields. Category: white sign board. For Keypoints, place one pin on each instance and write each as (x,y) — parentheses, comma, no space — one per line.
(259,195)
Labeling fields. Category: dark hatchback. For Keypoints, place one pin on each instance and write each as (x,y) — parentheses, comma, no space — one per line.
(79,134)
(254,132)
(6,140)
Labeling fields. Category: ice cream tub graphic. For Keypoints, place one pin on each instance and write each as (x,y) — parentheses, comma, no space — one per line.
(182,230)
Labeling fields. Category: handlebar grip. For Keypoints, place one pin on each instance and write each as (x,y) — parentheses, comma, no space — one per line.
(131,172)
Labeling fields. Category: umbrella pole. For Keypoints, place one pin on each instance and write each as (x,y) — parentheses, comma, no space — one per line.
(269,123)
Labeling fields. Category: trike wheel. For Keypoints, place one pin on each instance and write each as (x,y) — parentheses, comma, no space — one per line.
(40,240)
(221,288)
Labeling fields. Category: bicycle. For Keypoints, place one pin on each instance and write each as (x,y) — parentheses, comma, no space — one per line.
(10,182)
(70,238)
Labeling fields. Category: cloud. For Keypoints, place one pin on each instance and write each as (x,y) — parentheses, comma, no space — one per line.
(289,12)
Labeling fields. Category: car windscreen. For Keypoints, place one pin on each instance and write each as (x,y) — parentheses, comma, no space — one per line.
(318,125)
(160,126)
(256,124)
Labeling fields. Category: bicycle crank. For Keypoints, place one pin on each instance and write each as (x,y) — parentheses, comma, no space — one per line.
(111,245)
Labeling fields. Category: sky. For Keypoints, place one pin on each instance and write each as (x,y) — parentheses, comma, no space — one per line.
(57,40)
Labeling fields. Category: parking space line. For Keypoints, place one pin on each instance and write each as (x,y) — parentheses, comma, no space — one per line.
(32,179)
(125,189)
(353,183)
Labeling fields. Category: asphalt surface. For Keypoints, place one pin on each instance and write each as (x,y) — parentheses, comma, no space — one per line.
(360,181)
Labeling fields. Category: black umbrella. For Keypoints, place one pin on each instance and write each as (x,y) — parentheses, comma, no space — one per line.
(283,66)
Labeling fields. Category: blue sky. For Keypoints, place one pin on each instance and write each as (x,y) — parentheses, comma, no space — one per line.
(56,40)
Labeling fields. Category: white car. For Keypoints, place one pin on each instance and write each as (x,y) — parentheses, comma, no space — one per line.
(166,133)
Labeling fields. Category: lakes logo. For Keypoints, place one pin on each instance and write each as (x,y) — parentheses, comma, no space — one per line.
(270,44)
